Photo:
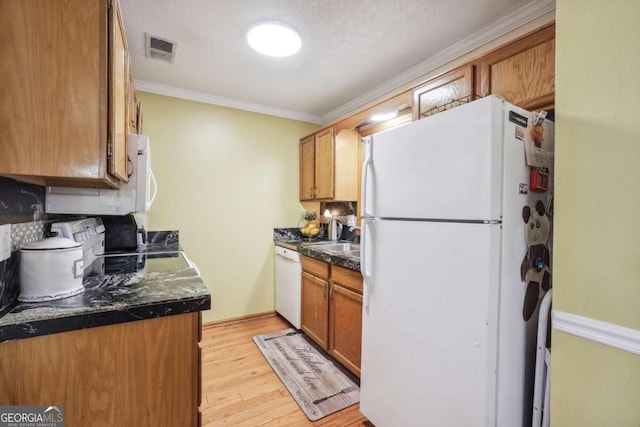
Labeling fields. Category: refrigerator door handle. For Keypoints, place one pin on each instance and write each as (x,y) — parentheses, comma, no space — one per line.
(368,282)
(365,171)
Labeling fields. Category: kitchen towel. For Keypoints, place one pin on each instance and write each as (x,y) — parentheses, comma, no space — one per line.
(315,381)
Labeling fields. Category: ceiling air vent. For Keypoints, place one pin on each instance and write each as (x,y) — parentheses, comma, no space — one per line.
(159,48)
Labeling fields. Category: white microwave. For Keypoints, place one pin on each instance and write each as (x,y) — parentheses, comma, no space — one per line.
(133,196)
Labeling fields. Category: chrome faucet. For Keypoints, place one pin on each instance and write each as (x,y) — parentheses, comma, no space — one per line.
(355,238)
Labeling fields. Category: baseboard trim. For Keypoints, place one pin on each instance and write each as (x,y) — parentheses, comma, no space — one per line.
(606,333)
(230,321)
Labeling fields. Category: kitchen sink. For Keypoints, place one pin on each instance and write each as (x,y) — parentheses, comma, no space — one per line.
(337,247)
(354,253)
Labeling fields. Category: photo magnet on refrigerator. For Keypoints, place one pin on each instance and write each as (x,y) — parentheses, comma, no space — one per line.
(534,269)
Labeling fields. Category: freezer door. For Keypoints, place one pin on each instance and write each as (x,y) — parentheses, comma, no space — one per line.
(445,166)
(429,351)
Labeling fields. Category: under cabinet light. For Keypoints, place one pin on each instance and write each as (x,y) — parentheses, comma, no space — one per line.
(383,117)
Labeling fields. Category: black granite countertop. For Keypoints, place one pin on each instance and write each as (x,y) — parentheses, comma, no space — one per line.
(292,241)
(165,286)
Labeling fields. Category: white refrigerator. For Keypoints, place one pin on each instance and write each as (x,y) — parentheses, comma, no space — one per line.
(444,342)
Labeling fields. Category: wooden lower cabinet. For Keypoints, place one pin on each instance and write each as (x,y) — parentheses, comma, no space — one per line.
(315,305)
(332,310)
(141,373)
(345,320)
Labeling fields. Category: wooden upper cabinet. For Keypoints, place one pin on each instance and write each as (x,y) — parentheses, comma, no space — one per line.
(132,105)
(118,95)
(347,165)
(522,72)
(329,165)
(63,94)
(526,79)
(445,91)
(325,163)
(307,167)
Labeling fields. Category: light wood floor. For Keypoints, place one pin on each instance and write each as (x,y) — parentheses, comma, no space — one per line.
(239,388)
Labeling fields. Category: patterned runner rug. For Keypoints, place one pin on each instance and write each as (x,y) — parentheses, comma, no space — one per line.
(315,381)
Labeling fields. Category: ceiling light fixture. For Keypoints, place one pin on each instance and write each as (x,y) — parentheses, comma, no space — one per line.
(383,117)
(274,38)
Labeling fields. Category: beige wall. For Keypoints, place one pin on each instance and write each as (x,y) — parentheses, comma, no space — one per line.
(226,178)
(597,221)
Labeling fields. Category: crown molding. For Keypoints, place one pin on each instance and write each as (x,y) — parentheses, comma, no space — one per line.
(526,14)
(193,95)
(606,333)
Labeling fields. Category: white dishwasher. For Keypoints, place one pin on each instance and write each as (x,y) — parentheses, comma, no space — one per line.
(288,285)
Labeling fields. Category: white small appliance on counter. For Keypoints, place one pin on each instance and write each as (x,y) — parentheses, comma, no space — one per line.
(50,269)
(133,196)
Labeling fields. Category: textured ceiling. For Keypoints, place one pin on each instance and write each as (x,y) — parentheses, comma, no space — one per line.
(349,46)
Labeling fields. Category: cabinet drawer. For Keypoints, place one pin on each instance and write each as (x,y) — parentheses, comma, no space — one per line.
(347,278)
(315,267)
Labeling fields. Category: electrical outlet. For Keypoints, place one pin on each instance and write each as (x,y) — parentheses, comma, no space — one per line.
(5,241)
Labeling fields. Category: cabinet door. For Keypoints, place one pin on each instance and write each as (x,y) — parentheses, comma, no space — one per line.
(131,100)
(53,86)
(141,373)
(443,92)
(523,71)
(118,95)
(325,162)
(315,308)
(345,327)
(346,165)
(528,78)
(307,167)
